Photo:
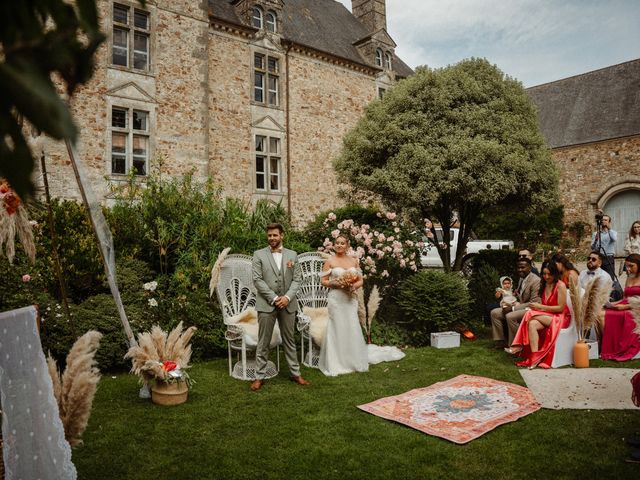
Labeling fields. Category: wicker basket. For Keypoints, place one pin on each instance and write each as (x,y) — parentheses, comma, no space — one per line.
(173,393)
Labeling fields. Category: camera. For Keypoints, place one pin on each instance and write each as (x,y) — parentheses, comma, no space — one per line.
(599,216)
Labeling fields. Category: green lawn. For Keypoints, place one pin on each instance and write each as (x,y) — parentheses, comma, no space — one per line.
(286,431)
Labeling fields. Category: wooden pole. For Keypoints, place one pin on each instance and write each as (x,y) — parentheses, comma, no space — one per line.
(107,260)
(54,248)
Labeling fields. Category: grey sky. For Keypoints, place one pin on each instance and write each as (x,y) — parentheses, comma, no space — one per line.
(535,41)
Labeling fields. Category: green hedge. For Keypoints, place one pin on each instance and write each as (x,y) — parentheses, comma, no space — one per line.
(432,301)
(488,267)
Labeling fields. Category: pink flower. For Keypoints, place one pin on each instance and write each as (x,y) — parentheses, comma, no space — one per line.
(335,233)
(26,278)
(384,273)
(331,216)
(397,230)
(391,215)
(381,237)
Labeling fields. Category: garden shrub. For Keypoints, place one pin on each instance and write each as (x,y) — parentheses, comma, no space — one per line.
(316,230)
(526,230)
(488,267)
(432,301)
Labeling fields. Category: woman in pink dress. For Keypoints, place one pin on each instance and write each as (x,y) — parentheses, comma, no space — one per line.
(535,339)
(618,340)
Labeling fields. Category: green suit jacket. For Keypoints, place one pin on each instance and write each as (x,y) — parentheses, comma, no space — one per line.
(271,282)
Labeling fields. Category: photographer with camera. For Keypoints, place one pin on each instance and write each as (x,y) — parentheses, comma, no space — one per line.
(603,240)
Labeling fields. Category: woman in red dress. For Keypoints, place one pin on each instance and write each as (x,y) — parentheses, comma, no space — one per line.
(536,337)
(618,340)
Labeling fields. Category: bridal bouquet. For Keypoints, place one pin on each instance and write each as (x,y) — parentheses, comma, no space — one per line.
(347,279)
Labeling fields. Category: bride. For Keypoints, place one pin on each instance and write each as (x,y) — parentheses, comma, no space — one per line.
(344,349)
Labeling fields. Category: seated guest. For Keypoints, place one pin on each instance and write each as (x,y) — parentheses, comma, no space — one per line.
(524,253)
(536,337)
(594,269)
(505,292)
(527,291)
(567,271)
(618,340)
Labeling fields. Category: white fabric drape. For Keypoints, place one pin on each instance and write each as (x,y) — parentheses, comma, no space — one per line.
(33,436)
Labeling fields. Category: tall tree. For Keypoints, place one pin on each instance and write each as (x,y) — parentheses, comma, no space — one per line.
(40,39)
(446,144)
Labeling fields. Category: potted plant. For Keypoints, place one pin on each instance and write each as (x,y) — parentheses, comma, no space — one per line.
(586,307)
(161,360)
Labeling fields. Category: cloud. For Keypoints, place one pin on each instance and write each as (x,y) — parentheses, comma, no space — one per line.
(535,41)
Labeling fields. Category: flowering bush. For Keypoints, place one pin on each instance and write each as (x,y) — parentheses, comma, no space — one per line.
(388,250)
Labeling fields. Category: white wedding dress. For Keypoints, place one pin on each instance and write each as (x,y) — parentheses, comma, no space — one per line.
(344,349)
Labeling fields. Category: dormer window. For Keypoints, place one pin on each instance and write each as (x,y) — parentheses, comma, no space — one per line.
(256,17)
(271,21)
(387,60)
(378,58)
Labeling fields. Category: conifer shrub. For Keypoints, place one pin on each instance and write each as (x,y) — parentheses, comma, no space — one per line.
(432,301)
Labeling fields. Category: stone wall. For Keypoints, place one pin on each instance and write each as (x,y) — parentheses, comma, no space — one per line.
(326,101)
(174,91)
(588,172)
(230,114)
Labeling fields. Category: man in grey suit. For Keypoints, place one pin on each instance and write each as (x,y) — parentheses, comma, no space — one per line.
(276,277)
(527,291)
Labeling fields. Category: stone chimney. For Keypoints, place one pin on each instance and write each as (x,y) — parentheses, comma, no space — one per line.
(372,13)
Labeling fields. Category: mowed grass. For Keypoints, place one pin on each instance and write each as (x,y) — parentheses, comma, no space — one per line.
(285,431)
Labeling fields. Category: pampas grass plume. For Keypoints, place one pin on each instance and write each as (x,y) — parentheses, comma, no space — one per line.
(596,294)
(215,271)
(76,389)
(634,302)
(372,305)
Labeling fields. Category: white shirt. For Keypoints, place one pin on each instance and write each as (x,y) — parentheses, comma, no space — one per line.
(277,257)
(586,276)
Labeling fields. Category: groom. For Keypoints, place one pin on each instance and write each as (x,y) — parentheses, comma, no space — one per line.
(276,276)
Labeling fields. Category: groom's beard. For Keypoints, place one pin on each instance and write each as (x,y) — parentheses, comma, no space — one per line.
(273,244)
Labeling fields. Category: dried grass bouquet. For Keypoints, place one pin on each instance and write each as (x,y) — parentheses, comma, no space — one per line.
(159,357)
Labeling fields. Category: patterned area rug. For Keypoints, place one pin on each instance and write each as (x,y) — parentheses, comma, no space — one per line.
(460,409)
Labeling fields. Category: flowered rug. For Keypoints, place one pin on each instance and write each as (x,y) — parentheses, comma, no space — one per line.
(460,409)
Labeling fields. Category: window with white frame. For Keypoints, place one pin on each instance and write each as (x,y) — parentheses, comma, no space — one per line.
(271,22)
(266,78)
(268,165)
(131,38)
(387,60)
(129,141)
(378,57)
(256,17)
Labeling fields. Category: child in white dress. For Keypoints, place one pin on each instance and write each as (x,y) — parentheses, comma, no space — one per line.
(505,290)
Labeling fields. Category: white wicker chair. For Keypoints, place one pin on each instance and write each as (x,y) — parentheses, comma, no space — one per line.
(310,294)
(236,294)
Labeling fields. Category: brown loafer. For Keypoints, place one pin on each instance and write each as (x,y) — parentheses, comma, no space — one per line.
(256,385)
(300,381)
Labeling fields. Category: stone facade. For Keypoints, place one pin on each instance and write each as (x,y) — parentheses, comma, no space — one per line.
(592,124)
(591,174)
(198,105)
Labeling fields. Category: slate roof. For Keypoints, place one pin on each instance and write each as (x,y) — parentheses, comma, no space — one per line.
(590,107)
(323,25)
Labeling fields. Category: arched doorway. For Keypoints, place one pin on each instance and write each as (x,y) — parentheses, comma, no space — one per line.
(624,209)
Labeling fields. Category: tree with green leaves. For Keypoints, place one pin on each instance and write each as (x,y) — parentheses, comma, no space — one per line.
(448,143)
(40,39)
